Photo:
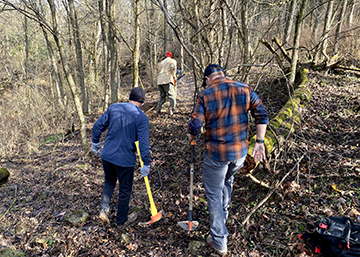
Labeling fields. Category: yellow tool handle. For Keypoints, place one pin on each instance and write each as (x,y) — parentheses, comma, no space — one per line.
(138,150)
(152,205)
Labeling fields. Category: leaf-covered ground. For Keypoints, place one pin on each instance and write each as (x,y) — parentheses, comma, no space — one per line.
(324,156)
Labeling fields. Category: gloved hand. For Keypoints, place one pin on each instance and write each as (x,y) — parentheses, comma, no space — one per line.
(95,147)
(145,170)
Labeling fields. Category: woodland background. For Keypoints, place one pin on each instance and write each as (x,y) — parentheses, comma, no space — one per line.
(62,63)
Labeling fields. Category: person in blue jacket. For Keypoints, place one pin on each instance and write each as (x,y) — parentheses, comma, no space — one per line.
(126,123)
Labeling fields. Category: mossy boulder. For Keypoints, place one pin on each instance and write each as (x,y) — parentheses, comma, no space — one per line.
(4,175)
(77,217)
(194,246)
(9,252)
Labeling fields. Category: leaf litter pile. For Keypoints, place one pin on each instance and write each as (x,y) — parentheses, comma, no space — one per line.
(323,157)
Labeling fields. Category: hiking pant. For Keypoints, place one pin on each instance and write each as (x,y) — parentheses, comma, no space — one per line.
(218,178)
(125,176)
(166,91)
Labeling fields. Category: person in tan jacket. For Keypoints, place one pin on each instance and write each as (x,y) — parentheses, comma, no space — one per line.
(166,82)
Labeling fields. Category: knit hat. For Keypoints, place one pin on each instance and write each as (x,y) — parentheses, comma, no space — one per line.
(168,54)
(137,94)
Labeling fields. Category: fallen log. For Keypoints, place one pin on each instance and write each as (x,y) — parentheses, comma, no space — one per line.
(283,124)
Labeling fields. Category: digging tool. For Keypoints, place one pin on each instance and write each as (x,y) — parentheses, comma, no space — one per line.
(155,215)
(190,225)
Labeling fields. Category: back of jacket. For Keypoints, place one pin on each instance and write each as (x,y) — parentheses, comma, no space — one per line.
(126,123)
(167,71)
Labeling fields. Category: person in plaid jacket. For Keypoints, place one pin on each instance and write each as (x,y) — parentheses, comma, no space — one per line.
(224,105)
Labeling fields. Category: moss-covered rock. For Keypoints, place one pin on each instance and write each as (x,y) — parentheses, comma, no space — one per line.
(77,217)
(4,175)
(194,246)
(9,252)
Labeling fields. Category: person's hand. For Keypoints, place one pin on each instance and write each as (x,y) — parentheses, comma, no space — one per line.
(259,152)
(145,170)
(191,138)
(95,147)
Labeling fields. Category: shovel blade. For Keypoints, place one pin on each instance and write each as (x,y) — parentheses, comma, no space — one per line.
(188,225)
(155,218)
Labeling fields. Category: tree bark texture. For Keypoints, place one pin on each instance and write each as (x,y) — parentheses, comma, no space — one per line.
(112,51)
(79,58)
(327,25)
(136,49)
(339,25)
(294,58)
(69,78)
(290,20)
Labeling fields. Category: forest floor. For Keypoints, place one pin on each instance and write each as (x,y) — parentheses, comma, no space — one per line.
(323,154)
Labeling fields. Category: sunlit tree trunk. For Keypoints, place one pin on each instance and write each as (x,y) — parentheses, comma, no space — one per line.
(290,20)
(298,26)
(136,49)
(224,20)
(317,14)
(59,86)
(112,51)
(197,31)
(27,62)
(105,78)
(165,39)
(339,25)
(351,13)
(69,77)
(245,39)
(94,56)
(327,25)
(350,21)
(79,58)
(150,38)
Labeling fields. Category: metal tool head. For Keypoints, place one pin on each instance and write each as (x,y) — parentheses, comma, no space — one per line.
(155,218)
(189,225)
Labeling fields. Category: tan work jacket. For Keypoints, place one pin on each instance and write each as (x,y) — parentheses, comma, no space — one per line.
(166,71)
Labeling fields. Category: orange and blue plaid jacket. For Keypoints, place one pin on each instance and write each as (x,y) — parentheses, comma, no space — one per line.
(224,106)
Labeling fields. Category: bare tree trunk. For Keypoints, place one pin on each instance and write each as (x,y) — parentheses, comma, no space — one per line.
(298,26)
(290,20)
(317,15)
(327,25)
(246,40)
(69,77)
(59,86)
(27,62)
(351,13)
(102,12)
(113,52)
(78,51)
(149,20)
(212,34)
(136,50)
(224,19)
(350,21)
(61,98)
(94,56)
(197,28)
(165,42)
(339,25)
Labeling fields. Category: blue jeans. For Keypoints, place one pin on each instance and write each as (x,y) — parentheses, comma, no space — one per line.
(125,175)
(218,178)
